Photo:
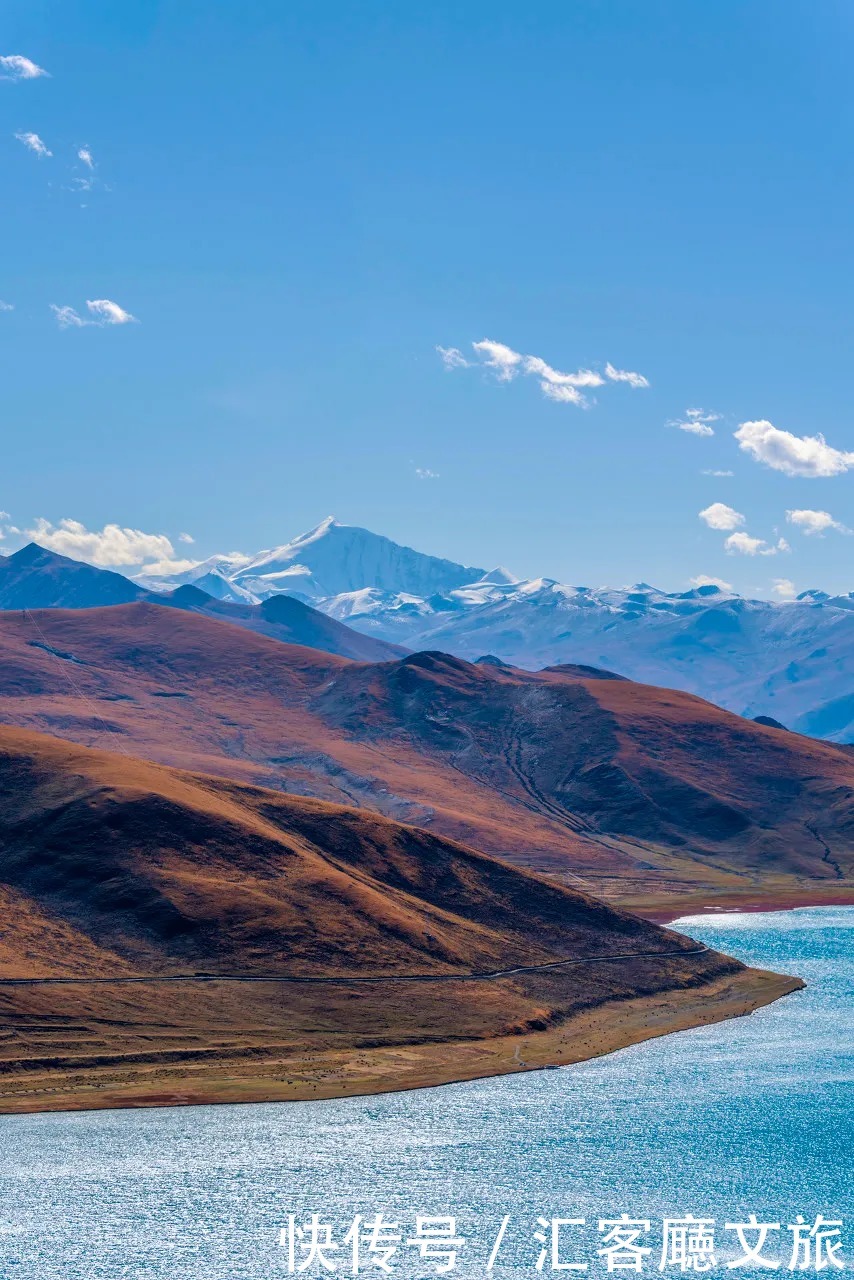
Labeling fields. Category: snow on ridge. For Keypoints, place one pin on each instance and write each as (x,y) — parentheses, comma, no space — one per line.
(788,659)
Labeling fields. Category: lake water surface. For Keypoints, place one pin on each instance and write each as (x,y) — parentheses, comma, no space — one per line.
(756,1115)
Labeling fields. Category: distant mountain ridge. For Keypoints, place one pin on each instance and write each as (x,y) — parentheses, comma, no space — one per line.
(285,618)
(37,578)
(335,558)
(792,661)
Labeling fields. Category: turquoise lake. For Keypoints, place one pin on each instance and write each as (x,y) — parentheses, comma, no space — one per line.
(752,1115)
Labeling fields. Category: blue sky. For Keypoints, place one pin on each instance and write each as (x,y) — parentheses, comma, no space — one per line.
(298,203)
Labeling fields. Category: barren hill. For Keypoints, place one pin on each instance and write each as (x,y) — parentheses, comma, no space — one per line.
(646,795)
(170,936)
(283,618)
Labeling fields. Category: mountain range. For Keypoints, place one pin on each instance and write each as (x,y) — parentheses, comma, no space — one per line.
(646,796)
(235,867)
(792,661)
(36,578)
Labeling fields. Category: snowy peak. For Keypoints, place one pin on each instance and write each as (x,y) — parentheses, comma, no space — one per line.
(499,577)
(791,660)
(333,559)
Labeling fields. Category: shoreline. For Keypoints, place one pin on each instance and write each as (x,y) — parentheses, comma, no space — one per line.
(358,1071)
(733,903)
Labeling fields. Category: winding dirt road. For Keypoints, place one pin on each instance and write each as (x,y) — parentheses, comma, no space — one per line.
(486,975)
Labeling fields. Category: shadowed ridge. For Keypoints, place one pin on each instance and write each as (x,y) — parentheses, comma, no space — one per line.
(584,672)
(284,618)
(165,869)
(36,578)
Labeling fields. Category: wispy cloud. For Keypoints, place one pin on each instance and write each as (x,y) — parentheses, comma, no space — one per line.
(453,358)
(743,544)
(34,143)
(625,375)
(67,317)
(14,66)
(696,421)
(704,580)
(717,474)
(88,180)
(720,516)
(424,473)
(809,456)
(7,306)
(784,588)
(815,522)
(503,360)
(109,547)
(506,364)
(186,537)
(102,312)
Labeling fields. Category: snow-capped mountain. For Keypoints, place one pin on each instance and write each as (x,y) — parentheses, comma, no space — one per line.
(213,576)
(336,558)
(790,660)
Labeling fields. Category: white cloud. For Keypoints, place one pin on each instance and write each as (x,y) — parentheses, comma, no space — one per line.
(720,516)
(742,544)
(626,375)
(784,588)
(704,580)
(497,356)
(186,537)
(453,358)
(107,312)
(34,143)
(717,474)
(113,545)
(14,66)
(815,522)
(697,422)
(167,566)
(67,317)
(565,388)
(424,473)
(794,455)
(562,387)
(103,310)
(6,306)
(84,154)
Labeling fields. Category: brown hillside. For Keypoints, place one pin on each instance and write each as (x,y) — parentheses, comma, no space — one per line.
(112,868)
(648,795)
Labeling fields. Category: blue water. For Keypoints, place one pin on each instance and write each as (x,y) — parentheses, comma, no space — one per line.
(756,1114)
